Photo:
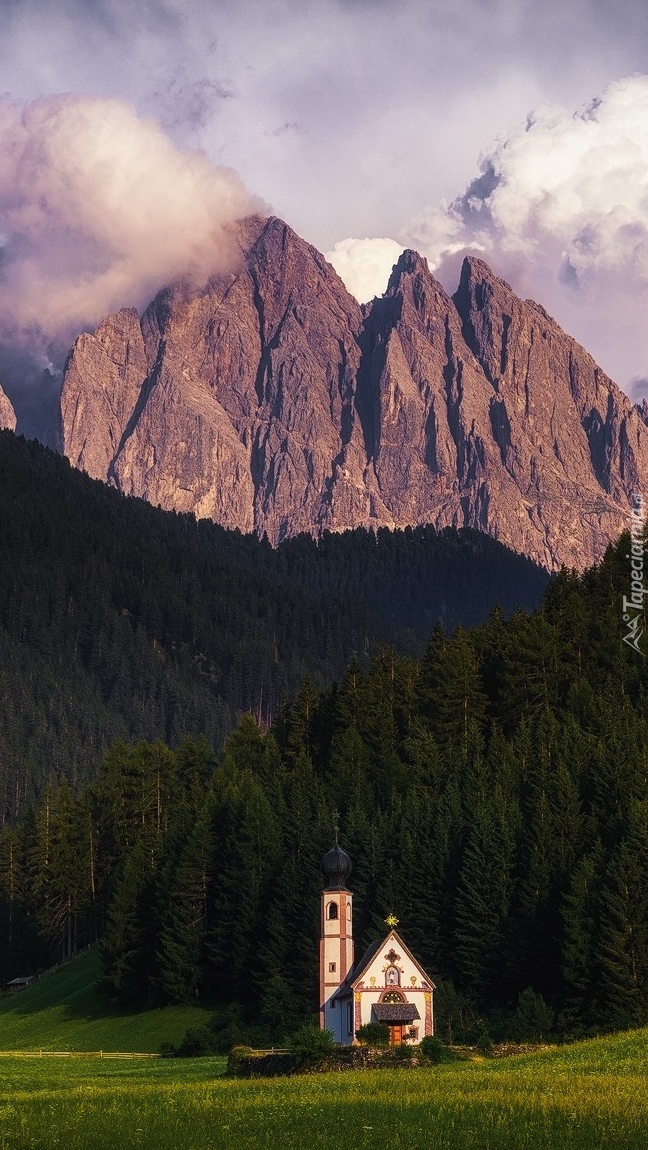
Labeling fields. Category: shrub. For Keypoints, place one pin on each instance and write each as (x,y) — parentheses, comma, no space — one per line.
(310,1042)
(454,1016)
(435,1051)
(533,1019)
(238,1057)
(166,1050)
(373,1034)
(197,1042)
(482,1039)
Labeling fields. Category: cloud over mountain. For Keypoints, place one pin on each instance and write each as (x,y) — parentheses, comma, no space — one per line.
(364,265)
(98,209)
(561,208)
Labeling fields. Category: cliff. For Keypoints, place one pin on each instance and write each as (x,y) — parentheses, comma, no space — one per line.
(7,413)
(269,400)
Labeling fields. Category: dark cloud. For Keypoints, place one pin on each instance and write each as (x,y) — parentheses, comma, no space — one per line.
(638,389)
(292,126)
(33,390)
(185,107)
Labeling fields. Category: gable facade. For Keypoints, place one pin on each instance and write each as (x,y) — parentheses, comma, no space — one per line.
(388,985)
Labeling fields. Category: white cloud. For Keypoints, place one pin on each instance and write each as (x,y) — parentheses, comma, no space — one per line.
(364,266)
(99,209)
(561,209)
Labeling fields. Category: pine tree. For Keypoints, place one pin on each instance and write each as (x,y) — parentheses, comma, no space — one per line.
(128,945)
(482,902)
(186,917)
(622,950)
(451,693)
(580,936)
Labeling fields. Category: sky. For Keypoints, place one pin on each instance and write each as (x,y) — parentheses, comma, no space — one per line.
(132,133)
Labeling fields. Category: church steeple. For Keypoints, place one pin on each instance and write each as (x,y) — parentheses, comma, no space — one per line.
(336,940)
(336,867)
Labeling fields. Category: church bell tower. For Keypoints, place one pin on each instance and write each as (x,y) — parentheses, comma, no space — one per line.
(336,939)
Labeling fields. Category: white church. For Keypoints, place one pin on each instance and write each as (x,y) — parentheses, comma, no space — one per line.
(386,985)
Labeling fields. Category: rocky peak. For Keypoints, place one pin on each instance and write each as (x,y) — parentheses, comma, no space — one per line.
(409,263)
(486,304)
(269,400)
(241,398)
(7,413)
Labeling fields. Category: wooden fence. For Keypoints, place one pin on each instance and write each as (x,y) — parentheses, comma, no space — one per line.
(74,1054)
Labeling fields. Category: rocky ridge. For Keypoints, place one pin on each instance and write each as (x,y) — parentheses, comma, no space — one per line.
(7,413)
(269,400)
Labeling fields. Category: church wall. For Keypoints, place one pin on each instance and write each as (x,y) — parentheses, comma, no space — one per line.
(336,1019)
(419,998)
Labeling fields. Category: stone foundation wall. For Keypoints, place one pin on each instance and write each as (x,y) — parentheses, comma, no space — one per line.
(245,1063)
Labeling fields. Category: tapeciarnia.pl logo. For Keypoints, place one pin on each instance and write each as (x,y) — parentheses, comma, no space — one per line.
(633,607)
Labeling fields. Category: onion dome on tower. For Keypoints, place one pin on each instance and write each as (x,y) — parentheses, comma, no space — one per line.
(336,868)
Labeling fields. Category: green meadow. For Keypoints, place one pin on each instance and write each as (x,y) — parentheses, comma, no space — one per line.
(65,1012)
(584,1097)
(580,1097)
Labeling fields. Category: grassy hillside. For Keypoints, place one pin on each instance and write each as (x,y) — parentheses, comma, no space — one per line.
(587,1097)
(64,1012)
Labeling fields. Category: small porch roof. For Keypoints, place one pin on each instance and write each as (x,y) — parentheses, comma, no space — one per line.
(395,1011)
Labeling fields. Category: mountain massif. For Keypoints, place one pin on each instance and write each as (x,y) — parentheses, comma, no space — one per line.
(269,400)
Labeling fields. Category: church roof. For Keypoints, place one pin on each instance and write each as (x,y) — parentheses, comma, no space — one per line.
(358,969)
(395,1011)
(336,867)
(357,972)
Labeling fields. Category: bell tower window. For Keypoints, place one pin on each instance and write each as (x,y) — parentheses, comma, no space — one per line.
(332,910)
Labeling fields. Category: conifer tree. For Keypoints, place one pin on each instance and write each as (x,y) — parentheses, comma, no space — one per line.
(580,913)
(482,902)
(622,951)
(128,945)
(186,914)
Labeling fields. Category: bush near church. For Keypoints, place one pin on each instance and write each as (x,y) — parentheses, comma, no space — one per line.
(373,1034)
(310,1043)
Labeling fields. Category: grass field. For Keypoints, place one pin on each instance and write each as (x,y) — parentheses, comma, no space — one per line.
(64,1012)
(585,1097)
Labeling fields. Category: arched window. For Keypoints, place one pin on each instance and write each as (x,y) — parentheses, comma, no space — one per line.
(393,996)
(332,910)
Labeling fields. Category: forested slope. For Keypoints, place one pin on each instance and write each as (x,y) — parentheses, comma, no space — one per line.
(120,620)
(492,794)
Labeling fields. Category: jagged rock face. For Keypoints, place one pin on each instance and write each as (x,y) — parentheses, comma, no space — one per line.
(491,417)
(7,413)
(569,438)
(235,401)
(270,401)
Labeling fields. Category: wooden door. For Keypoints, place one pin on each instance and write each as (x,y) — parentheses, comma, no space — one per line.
(396,1034)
